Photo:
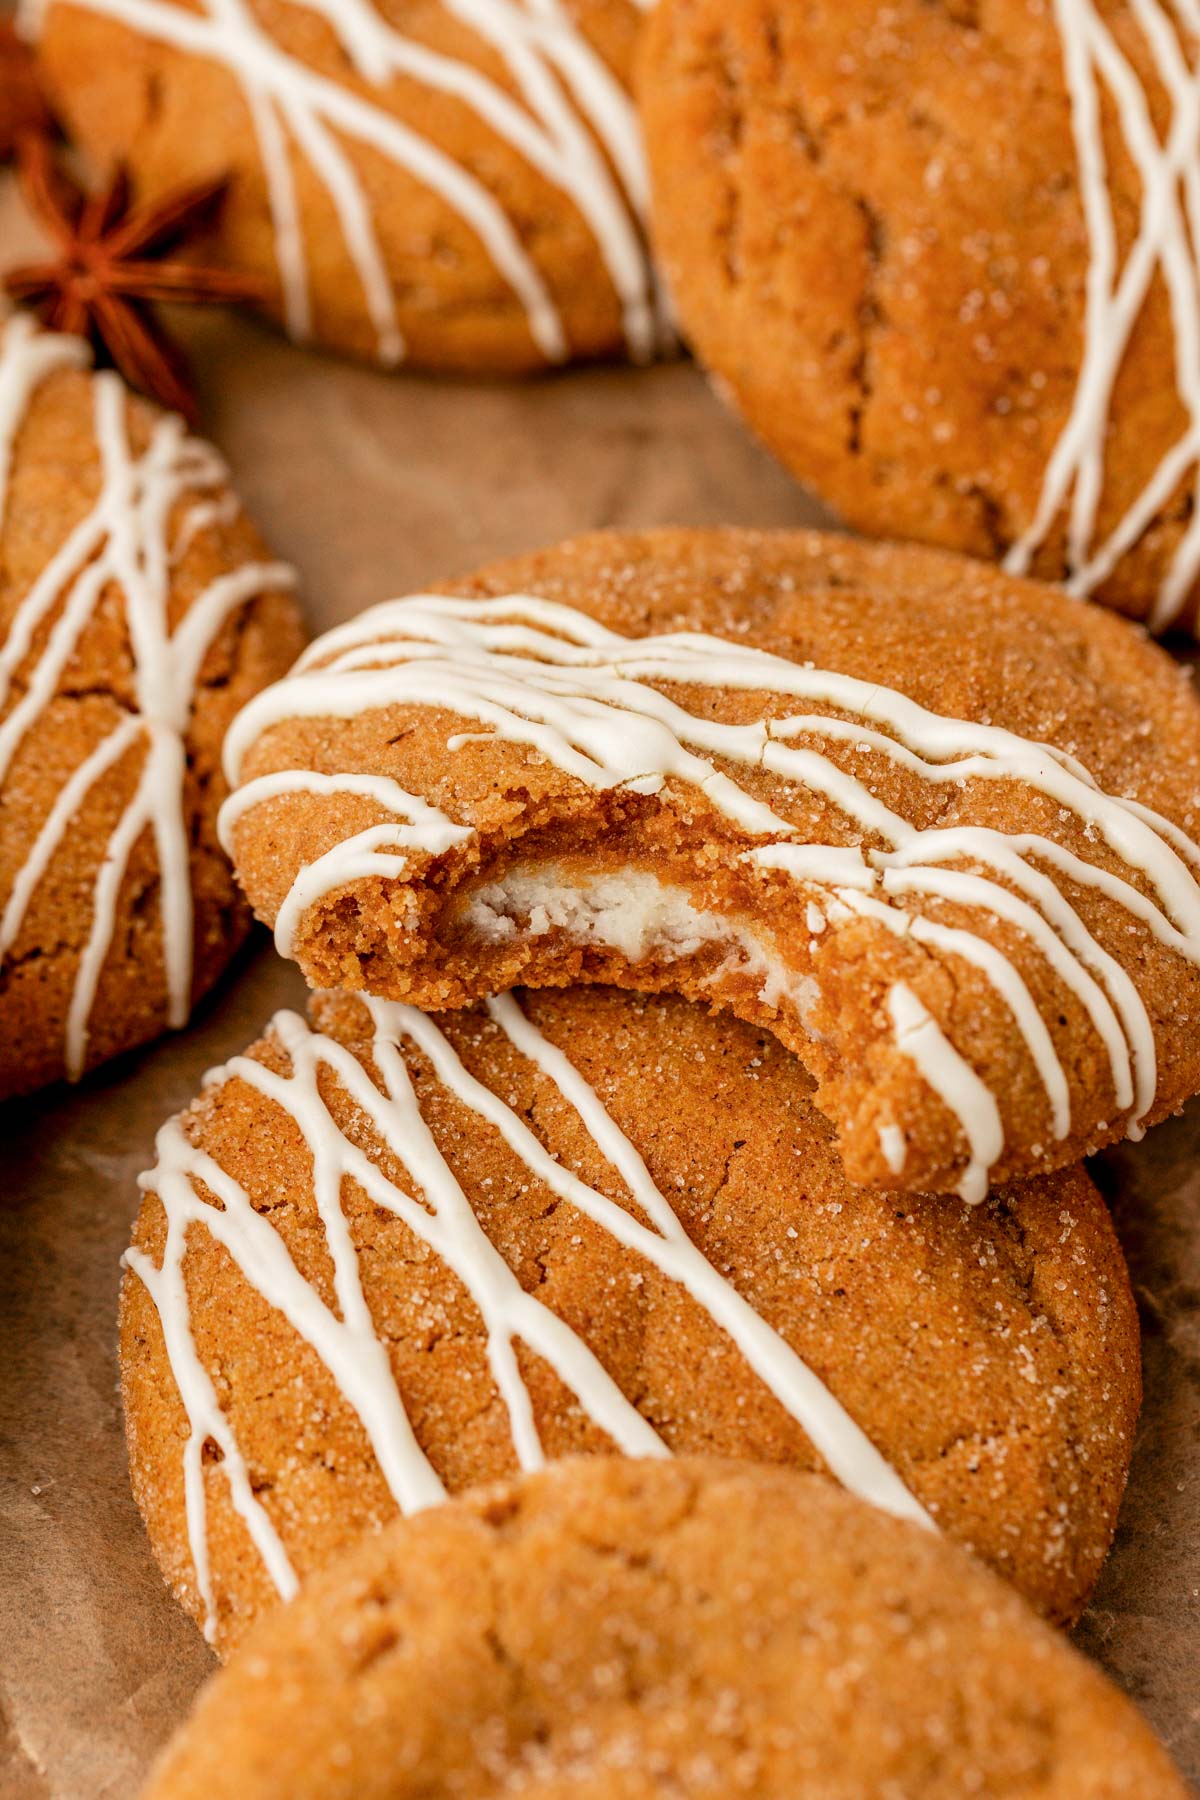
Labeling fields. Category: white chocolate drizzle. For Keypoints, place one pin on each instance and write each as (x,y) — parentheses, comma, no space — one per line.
(955,1083)
(1166,247)
(123,542)
(565,114)
(438,1212)
(546,676)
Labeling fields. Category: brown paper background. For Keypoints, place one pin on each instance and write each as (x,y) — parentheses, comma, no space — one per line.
(373,486)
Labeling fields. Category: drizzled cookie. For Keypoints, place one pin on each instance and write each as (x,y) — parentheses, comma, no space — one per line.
(454,183)
(955,873)
(389,1255)
(623,1630)
(138,611)
(944,261)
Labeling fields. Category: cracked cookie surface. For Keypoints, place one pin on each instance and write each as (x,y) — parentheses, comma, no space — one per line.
(769,771)
(452,185)
(873,220)
(620,1630)
(388,1255)
(138,612)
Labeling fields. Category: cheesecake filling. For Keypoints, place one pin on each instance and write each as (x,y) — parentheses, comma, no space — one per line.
(635,914)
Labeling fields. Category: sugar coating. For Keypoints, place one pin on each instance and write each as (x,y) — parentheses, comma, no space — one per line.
(387,1255)
(138,610)
(941,261)
(999,833)
(634,1629)
(388,167)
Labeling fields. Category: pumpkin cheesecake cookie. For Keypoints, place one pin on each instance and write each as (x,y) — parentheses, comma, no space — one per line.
(387,1255)
(455,184)
(631,1629)
(138,611)
(932,824)
(940,259)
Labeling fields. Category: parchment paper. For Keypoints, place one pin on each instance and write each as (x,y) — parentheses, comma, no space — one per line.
(374,485)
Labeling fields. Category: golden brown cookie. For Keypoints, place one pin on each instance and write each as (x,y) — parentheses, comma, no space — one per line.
(138,612)
(389,1255)
(454,183)
(886,801)
(939,258)
(623,1630)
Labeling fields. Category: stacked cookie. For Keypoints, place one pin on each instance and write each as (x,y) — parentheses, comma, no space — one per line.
(726,947)
(831,959)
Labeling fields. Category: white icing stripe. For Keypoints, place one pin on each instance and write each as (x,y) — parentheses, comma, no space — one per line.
(442,1217)
(1073,954)
(166,1288)
(123,541)
(379,852)
(894,1147)
(570,658)
(572,123)
(1003,978)
(205,515)
(1065,957)
(954,1081)
(845,1448)
(548,677)
(1164,248)
(30,356)
(68,804)
(291,258)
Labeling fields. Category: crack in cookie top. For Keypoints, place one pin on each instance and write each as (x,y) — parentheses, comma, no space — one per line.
(546,676)
(1165,249)
(196,1190)
(131,538)
(565,114)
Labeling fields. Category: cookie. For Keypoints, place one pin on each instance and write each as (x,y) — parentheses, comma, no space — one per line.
(453,184)
(138,611)
(939,259)
(388,1255)
(633,1629)
(955,872)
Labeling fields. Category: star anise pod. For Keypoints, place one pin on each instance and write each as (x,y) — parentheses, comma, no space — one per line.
(23,110)
(114,260)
